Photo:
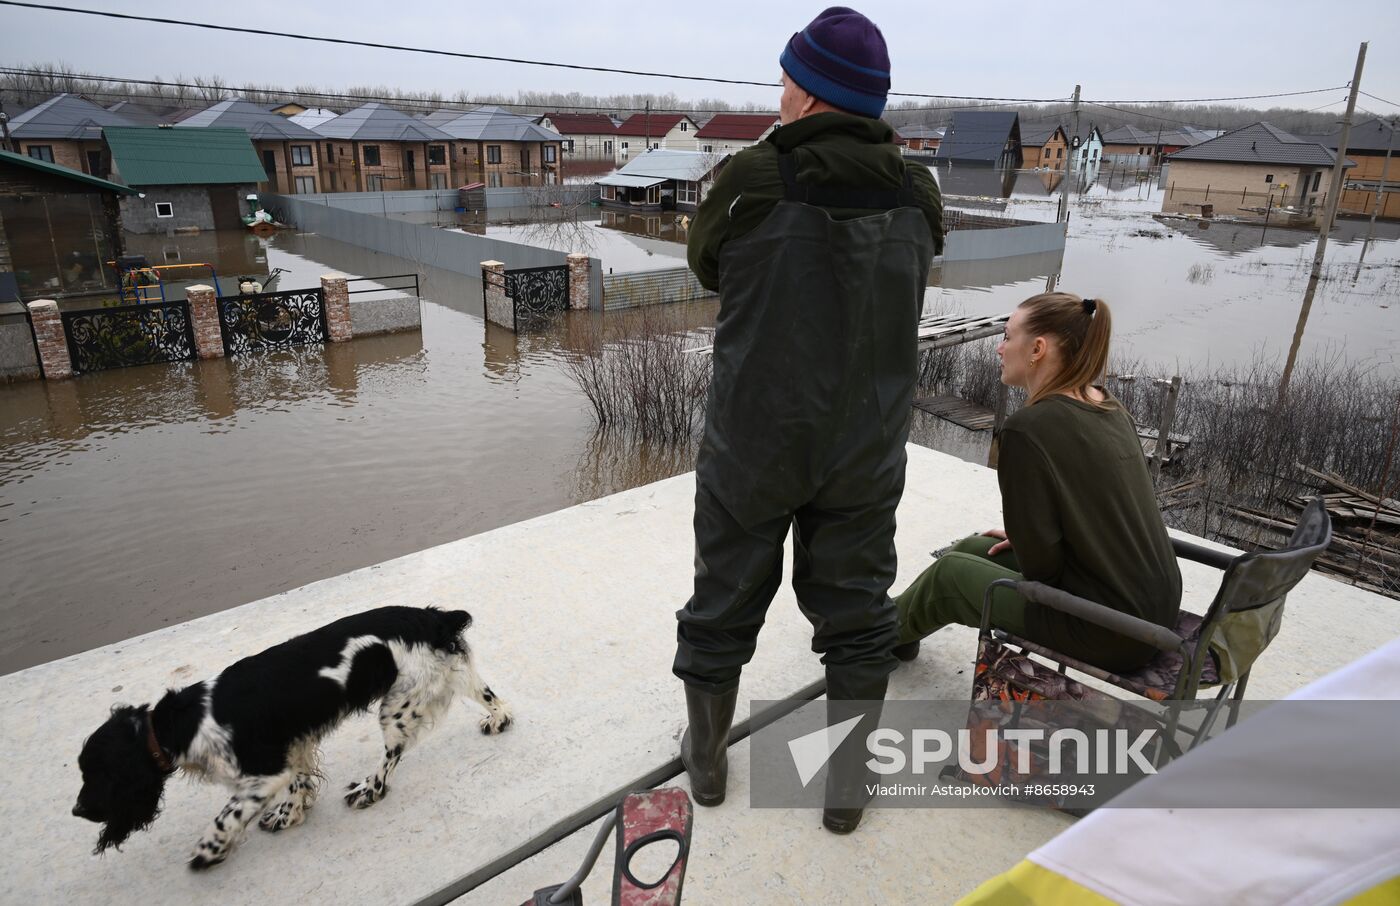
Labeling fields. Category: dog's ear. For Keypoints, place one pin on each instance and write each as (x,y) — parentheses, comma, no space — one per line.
(132,785)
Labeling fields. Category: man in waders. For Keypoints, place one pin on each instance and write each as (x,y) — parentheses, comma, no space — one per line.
(819,241)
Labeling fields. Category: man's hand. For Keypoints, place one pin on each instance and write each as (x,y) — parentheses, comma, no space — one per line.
(1003,545)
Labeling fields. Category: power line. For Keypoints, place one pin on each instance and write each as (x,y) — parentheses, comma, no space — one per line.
(463,55)
(1243,97)
(1382,100)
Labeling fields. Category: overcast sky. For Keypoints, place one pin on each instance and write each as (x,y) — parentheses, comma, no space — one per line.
(1185,49)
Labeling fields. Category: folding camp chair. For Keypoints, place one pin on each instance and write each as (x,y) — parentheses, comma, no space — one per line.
(1215,650)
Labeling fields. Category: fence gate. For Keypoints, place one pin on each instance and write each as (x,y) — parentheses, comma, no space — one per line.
(125,335)
(257,322)
(533,292)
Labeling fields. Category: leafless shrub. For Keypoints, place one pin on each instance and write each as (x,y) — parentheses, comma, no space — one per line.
(1200,273)
(637,376)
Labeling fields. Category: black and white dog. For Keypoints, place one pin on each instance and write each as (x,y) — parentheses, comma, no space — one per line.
(257,725)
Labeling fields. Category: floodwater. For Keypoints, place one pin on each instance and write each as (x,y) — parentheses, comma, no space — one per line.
(136,498)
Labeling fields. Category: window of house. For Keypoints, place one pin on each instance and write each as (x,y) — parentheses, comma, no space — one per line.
(654,195)
(305,184)
(607,147)
(708,149)
(330,151)
(41,152)
(494,179)
(549,154)
(375,182)
(687,193)
(1268,177)
(684,125)
(438,180)
(301,155)
(437,155)
(493,154)
(370,155)
(1317,180)
(165,209)
(569,146)
(609,193)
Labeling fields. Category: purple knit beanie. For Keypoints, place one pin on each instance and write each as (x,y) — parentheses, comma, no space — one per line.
(841,58)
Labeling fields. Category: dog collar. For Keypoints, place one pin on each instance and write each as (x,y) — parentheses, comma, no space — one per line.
(157,753)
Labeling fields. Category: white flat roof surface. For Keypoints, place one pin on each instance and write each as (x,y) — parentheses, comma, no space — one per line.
(574,626)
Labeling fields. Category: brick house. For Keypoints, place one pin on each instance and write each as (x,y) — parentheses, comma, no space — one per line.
(500,148)
(58,227)
(1044,145)
(734,131)
(586,136)
(1130,145)
(641,132)
(375,148)
(919,138)
(1250,170)
(188,178)
(289,152)
(67,130)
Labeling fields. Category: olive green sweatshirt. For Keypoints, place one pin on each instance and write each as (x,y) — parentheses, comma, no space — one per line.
(1082,516)
(837,149)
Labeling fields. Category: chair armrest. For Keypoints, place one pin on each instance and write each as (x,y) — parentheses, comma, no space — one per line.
(1186,550)
(1113,620)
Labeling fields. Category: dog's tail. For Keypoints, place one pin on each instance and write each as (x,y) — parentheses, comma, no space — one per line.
(450,626)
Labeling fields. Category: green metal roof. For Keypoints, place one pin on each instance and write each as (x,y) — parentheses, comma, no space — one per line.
(44,166)
(160,156)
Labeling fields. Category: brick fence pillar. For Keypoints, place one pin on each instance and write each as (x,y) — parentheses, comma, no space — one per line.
(50,338)
(578,281)
(335,292)
(204,315)
(499,309)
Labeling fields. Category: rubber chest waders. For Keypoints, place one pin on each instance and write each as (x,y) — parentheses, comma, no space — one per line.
(815,357)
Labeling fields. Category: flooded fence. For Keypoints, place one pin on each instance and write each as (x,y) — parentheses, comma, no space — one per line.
(459,253)
(100,338)
(630,290)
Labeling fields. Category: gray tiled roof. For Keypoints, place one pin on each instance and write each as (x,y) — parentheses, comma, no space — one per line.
(66,116)
(376,122)
(1038,133)
(260,124)
(1372,135)
(485,124)
(978,135)
(1129,135)
(1259,143)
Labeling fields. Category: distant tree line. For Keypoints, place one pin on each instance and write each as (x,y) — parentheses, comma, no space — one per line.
(36,83)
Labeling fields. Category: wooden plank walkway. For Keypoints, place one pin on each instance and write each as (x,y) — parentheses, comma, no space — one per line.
(958,411)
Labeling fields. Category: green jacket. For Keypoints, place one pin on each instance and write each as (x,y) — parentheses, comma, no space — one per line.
(831,149)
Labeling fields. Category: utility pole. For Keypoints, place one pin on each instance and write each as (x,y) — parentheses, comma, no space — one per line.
(1334,197)
(7,145)
(1062,216)
(646,128)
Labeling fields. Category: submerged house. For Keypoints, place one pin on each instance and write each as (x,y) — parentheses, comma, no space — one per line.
(733,132)
(919,138)
(642,132)
(1044,145)
(1371,144)
(373,148)
(189,179)
(58,228)
(586,136)
(67,130)
(662,181)
(982,138)
(500,148)
(288,151)
(1253,169)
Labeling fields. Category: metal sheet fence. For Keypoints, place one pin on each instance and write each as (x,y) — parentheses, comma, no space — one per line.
(675,284)
(121,336)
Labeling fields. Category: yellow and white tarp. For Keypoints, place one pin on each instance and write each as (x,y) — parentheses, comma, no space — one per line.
(1138,856)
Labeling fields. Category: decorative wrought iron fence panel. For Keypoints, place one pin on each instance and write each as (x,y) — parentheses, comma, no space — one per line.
(258,322)
(538,292)
(124,335)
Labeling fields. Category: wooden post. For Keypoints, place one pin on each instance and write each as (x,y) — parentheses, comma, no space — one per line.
(1170,390)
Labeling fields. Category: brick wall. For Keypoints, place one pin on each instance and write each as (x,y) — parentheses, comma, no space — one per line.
(1232,186)
(48,334)
(335,294)
(204,314)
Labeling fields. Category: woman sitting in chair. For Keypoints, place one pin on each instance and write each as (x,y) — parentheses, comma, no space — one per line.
(1080,511)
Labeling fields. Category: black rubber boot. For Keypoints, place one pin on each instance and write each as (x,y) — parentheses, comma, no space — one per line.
(705,745)
(907,651)
(848,779)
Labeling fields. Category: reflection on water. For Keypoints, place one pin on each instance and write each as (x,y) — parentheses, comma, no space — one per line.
(135,498)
